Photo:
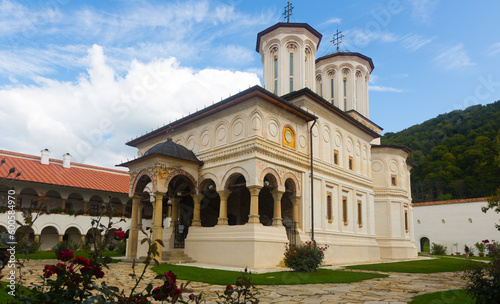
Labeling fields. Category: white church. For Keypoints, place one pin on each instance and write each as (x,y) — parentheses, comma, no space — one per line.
(295,160)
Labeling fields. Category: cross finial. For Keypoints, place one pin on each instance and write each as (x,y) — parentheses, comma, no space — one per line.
(337,39)
(288,11)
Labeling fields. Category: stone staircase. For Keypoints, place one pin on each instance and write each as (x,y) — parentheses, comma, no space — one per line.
(176,256)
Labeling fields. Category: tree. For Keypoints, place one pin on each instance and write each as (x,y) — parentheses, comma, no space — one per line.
(493,203)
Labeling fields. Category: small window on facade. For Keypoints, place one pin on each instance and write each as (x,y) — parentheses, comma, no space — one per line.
(350,163)
(344,210)
(34,204)
(94,208)
(407,228)
(336,157)
(394,180)
(329,209)
(360,213)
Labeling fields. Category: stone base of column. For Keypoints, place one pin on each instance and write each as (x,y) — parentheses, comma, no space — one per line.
(222,221)
(277,221)
(253,219)
(196,223)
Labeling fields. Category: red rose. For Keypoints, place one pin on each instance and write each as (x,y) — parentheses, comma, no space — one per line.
(98,272)
(119,234)
(160,293)
(171,277)
(229,287)
(65,255)
(48,271)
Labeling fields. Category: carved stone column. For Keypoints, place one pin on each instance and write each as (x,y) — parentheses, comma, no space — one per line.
(85,205)
(134,232)
(158,221)
(82,240)
(277,219)
(296,203)
(140,210)
(223,195)
(61,236)
(196,213)
(63,203)
(175,210)
(253,217)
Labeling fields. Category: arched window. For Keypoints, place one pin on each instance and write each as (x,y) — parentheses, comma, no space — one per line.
(329,209)
(275,74)
(291,72)
(345,71)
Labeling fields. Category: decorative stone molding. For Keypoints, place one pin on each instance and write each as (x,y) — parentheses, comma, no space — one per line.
(346,71)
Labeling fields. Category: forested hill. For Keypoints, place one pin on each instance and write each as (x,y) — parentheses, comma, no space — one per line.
(457,154)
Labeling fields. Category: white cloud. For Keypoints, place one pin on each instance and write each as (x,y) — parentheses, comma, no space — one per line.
(333,20)
(494,49)
(94,116)
(454,57)
(414,41)
(422,10)
(384,89)
(363,37)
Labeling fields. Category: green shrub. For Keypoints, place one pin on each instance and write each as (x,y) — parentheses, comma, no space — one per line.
(484,279)
(26,247)
(438,249)
(304,258)
(59,247)
(122,247)
(86,246)
(73,245)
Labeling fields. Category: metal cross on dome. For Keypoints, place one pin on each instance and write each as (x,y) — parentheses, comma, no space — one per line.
(337,39)
(288,11)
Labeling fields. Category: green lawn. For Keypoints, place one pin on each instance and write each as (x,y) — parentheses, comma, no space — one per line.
(439,264)
(7,298)
(455,296)
(222,277)
(51,255)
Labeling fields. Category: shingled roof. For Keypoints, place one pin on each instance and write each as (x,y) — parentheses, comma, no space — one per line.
(78,175)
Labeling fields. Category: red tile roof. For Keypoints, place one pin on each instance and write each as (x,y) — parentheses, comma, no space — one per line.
(458,201)
(78,175)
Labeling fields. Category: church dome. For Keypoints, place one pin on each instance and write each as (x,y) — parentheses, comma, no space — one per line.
(173,150)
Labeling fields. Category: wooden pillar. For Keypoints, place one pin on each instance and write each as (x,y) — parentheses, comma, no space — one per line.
(277,219)
(196,213)
(85,205)
(134,232)
(223,195)
(63,203)
(175,211)
(295,211)
(158,221)
(253,217)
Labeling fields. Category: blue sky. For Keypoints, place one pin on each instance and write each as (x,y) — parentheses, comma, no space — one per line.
(84,77)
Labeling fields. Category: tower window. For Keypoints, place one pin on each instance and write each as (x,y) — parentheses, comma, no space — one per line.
(275,74)
(350,163)
(336,157)
(332,91)
(394,180)
(291,72)
(407,228)
(345,94)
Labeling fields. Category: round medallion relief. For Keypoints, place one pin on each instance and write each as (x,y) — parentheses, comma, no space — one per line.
(349,146)
(205,139)
(393,167)
(273,129)
(315,131)
(358,150)
(376,166)
(238,128)
(288,136)
(326,136)
(190,144)
(256,123)
(302,141)
(338,140)
(221,134)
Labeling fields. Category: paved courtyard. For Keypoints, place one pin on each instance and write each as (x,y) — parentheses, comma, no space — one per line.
(397,288)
